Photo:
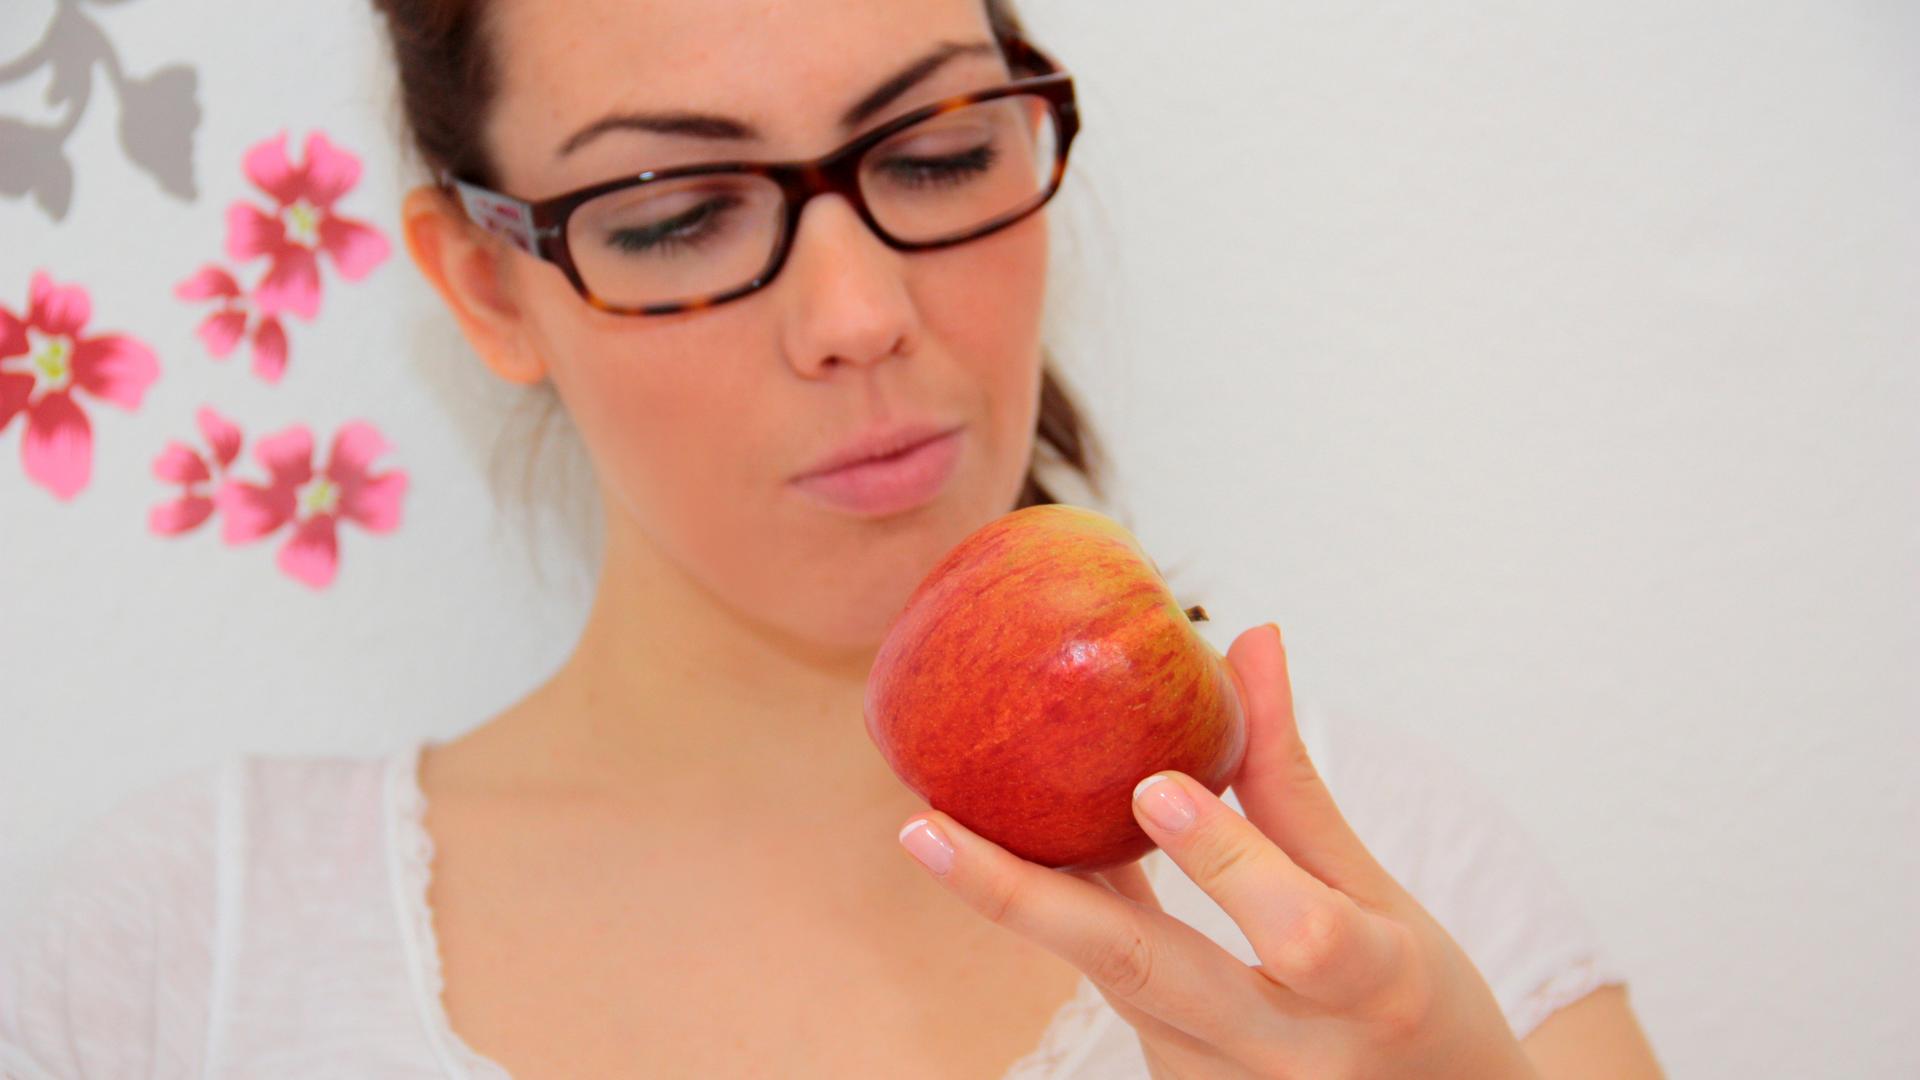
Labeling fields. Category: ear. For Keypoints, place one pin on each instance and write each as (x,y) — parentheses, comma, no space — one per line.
(468,268)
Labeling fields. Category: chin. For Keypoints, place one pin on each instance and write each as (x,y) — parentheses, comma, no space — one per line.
(861,604)
(859,614)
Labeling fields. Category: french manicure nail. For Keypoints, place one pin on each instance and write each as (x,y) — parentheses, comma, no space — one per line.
(1164,803)
(926,844)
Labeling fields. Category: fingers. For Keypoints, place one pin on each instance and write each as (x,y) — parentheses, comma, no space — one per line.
(1140,958)
(1131,882)
(1310,937)
(1278,786)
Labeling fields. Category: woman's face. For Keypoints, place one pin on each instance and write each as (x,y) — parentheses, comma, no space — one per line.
(697,422)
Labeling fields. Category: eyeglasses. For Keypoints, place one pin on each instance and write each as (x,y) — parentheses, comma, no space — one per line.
(683,239)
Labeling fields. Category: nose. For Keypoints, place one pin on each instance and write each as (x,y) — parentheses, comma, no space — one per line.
(846,293)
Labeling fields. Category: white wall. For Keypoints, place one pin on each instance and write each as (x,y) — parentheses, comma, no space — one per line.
(1547,371)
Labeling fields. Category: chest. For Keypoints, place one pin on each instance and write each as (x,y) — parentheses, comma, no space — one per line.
(564,956)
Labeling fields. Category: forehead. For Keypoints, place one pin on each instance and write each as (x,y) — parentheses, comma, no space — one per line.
(787,68)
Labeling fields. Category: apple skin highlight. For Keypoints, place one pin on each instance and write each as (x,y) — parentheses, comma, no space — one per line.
(1036,674)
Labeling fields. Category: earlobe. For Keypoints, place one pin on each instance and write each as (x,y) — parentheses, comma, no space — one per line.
(466,270)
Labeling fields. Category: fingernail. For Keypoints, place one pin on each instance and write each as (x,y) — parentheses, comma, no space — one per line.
(923,842)
(1164,803)
(1276,634)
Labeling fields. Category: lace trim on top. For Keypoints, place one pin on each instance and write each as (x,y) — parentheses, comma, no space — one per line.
(1564,987)
(411,853)
(1075,1026)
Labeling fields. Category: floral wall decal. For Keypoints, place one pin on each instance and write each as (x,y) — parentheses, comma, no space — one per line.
(158,114)
(312,502)
(302,226)
(181,464)
(223,329)
(44,362)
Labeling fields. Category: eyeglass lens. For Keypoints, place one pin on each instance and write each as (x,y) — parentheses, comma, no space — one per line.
(691,237)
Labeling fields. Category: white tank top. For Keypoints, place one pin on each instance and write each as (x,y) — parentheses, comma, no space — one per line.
(267,916)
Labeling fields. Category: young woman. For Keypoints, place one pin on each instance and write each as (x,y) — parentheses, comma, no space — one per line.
(678,856)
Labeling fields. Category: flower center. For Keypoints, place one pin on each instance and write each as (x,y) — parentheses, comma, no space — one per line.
(50,358)
(303,223)
(320,497)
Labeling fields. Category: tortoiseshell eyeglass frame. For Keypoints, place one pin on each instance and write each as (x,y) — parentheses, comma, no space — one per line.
(540,228)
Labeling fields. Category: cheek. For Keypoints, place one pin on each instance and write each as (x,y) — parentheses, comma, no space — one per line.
(985,298)
(654,404)
(982,305)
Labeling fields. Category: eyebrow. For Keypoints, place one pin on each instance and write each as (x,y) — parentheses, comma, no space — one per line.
(710,126)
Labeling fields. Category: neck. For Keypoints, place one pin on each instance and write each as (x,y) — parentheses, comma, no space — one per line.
(674,692)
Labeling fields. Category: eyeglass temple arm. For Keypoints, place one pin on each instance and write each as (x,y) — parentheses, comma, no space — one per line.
(504,216)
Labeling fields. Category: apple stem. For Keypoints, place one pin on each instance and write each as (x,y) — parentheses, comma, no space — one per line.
(1196,613)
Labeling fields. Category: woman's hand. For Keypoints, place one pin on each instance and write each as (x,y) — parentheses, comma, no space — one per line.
(1356,979)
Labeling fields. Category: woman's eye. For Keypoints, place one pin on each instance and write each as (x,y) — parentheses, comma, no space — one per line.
(686,230)
(917,172)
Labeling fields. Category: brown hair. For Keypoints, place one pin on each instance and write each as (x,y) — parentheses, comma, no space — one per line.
(447,81)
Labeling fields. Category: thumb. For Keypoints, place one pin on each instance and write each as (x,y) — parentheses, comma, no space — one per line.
(1278,786)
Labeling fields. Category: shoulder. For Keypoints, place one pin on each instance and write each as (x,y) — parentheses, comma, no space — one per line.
(117,920)
(1471,861)
(1461,851)
(109,968)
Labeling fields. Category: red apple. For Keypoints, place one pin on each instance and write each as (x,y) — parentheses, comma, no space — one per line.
(1037,673)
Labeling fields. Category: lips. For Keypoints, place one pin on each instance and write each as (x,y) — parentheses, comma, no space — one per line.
(879,442)
(878,487)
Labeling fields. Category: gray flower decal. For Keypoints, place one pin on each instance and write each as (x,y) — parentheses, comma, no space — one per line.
(159,114)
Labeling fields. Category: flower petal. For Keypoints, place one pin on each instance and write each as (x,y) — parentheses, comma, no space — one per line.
(311,554)
(115,368)
(252,232)
(56,309)
(209,281)
(355,446)
(221,331)
(355,246)
(158,114)
(270,350)
(267,166)
(15,388)
(58,449)
(292,284)
(249,511)
(13,335)
(176,517)
(288,457)
(33,158)
(179,464)
(374,503)
(371,501)
(331,171)
(221,434)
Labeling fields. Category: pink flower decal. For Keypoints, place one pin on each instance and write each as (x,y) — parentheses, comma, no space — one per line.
(44,360)
(301,227)
(312,502)
(181,464)
(222,329)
